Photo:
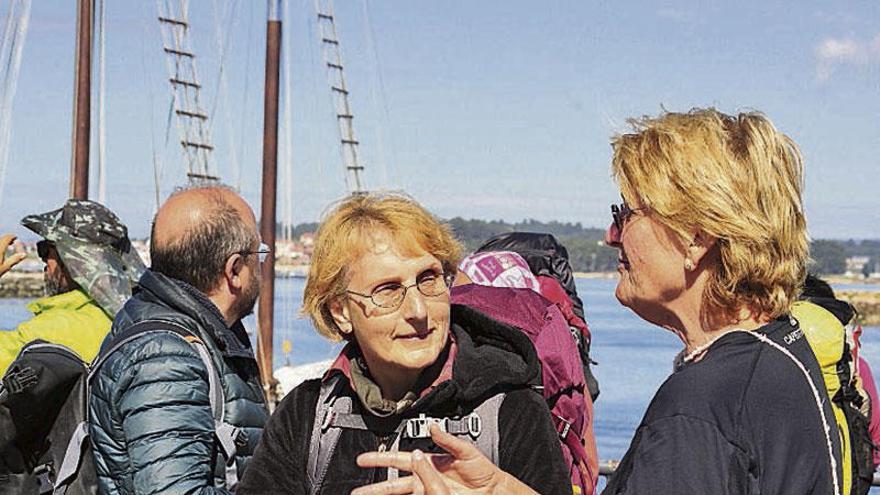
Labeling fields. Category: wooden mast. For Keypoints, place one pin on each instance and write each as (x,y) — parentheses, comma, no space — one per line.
(82,101)
(267,212)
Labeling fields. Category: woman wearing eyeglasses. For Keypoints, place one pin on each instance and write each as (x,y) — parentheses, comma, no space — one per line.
(712,247)
(379,280)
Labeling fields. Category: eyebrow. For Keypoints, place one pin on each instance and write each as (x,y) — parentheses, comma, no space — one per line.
(436,266)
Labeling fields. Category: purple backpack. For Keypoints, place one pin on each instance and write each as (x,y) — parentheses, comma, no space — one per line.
(562,374)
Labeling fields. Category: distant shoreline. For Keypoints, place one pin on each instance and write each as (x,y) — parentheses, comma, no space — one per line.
(843,279)
(595,274)
(29,285)
(21,285)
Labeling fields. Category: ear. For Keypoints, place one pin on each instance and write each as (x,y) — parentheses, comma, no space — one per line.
(701,244)
(339,311)
(232,272)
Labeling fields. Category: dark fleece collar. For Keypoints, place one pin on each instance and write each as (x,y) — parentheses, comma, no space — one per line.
(184,298)
(487,357)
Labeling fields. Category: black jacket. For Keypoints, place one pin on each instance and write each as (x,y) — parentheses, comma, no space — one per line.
(743,420)
(491,357)
(151,424)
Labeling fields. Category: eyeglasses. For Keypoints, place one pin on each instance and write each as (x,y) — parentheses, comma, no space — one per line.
(621,213)
(391,296)
(43,248)
(263,251)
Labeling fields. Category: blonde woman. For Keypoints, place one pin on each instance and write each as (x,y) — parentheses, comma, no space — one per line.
(713,246)
(379,280)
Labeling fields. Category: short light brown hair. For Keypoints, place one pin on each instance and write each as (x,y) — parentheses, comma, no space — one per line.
(345,233)
(738,179)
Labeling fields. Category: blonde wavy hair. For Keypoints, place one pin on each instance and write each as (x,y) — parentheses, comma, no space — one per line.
(347,231)
(738,179)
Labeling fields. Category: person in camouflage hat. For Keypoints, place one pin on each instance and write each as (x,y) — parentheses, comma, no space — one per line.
(90,270)
(94,247)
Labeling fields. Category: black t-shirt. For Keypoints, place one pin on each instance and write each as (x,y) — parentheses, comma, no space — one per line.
(743,420)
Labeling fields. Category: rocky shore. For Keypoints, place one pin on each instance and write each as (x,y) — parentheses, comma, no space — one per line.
(21,285)
(866,303)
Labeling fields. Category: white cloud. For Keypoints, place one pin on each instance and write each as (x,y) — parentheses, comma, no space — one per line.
(834,52)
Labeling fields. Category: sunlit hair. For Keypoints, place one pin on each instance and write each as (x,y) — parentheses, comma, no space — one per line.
(738,179)
(349,229)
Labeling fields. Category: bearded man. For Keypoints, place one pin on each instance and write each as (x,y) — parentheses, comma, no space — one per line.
(151,420)
(90,270)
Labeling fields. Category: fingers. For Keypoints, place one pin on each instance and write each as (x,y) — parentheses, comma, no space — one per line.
(401,486)
(5,241)
(458,448)
(402,461)
(7,264)
(11,262)
(431,480)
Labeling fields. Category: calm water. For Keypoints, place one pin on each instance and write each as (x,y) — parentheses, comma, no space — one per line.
(634,357)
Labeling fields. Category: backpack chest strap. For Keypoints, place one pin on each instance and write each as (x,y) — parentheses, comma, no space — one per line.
(411,428)
(471,425)
(333,413)
(483,421)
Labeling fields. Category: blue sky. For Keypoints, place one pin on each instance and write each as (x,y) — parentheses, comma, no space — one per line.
(494,110)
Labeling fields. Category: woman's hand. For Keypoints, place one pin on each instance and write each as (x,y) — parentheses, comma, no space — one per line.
(464,470)
(7,264)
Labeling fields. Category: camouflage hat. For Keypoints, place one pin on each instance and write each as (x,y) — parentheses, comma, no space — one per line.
(93,244)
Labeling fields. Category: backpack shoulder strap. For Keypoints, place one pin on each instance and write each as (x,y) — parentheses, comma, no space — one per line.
(325,435)
(72,456)
(225,433)
(134,332)
(488,439)
(76,445)
(145,327)
(818,398)
(333,414)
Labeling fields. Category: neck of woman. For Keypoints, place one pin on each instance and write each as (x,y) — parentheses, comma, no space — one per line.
(697,333)
(395,383)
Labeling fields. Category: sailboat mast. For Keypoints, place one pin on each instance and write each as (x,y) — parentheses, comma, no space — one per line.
(267,212)
(82,100)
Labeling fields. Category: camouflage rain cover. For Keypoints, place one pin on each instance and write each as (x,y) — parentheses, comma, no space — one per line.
(93,244)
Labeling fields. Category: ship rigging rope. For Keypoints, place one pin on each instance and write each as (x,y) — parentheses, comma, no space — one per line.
(378,86)
(223,24)
(323,186)
(243,115)
(11,49)
(286,304)
(102,135)
(148,88)
(287,168)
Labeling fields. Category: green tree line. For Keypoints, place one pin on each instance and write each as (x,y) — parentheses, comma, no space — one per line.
(589,253)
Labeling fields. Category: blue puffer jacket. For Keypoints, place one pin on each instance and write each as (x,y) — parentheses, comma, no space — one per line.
(151,425)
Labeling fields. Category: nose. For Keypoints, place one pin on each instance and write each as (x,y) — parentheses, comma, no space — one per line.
(414,307)
(612,235)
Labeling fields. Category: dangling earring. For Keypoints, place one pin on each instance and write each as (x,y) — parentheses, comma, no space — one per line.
(689,265)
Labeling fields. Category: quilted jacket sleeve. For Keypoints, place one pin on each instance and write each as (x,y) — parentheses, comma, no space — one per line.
(152,427)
